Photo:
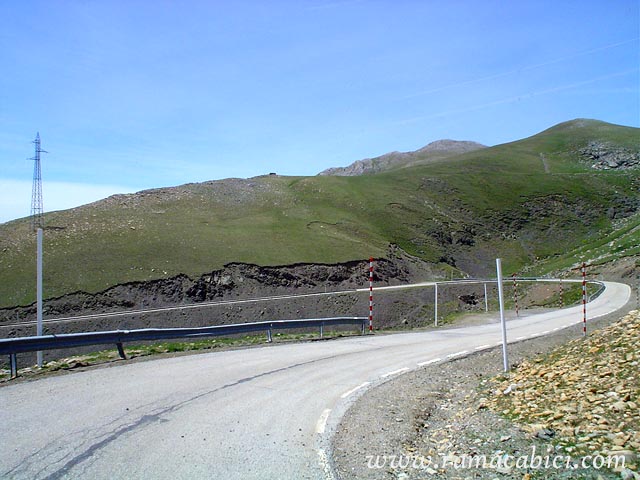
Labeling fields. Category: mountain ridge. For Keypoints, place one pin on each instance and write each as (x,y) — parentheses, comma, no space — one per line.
(526,201)
(434,151)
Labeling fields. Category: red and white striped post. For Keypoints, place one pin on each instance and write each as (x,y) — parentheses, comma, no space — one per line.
(515,294)
(371,294)
(584,299)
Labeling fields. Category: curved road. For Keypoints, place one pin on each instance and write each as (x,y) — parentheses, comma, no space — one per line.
(259,413)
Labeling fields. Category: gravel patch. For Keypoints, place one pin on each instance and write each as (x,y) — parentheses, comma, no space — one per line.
(405,427)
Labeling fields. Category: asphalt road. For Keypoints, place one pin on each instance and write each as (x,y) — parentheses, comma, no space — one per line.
(259,413)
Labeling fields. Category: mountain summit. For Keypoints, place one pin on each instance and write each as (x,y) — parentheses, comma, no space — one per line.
(438,150)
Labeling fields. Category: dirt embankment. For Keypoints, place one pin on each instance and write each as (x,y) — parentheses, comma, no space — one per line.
(235,282)
(230,287)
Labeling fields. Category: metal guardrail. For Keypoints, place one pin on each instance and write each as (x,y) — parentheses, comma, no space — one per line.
(598,292)
(13,346)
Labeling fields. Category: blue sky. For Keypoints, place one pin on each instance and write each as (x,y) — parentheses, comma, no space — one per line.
(135,94)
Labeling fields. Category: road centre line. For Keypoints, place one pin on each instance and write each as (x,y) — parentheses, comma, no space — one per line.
(355,389)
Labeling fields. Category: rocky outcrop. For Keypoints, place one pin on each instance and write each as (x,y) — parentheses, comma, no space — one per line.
(604,156)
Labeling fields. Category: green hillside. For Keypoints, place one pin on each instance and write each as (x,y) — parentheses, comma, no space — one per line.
(529,200)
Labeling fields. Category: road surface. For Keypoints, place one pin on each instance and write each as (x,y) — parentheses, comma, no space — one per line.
(258,413)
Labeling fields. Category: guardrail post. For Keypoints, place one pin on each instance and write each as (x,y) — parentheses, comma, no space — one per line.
(121,351)
(321,330)
(363,328)
(13,362)
(269,336)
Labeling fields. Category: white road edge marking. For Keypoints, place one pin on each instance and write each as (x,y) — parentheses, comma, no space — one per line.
(321,424)
(429,362)
(482,347)
(355,389)
(457,354)
(388,374)
(324,464)
(521,338)
(545,332)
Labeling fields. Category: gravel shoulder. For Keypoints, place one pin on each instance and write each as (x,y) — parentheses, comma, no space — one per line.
(402,428)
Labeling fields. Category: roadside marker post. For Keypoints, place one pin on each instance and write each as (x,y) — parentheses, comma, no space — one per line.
(505,359)
(370,294)
(486,299)
(584,299)
(561,294)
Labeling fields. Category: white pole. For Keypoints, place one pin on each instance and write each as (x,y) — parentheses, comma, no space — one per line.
(436,304)
(486,299)
(505,359)
(39,290)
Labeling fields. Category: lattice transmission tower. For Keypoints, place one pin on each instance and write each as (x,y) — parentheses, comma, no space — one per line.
(37,209)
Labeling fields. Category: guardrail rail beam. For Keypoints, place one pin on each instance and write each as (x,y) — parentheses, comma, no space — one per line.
(13,346)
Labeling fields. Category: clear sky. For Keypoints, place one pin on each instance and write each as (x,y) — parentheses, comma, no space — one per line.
(134,94)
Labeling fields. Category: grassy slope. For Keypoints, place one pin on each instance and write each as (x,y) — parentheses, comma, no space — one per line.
(500,198)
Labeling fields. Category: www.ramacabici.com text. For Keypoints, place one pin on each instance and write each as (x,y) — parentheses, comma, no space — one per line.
(497,461)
